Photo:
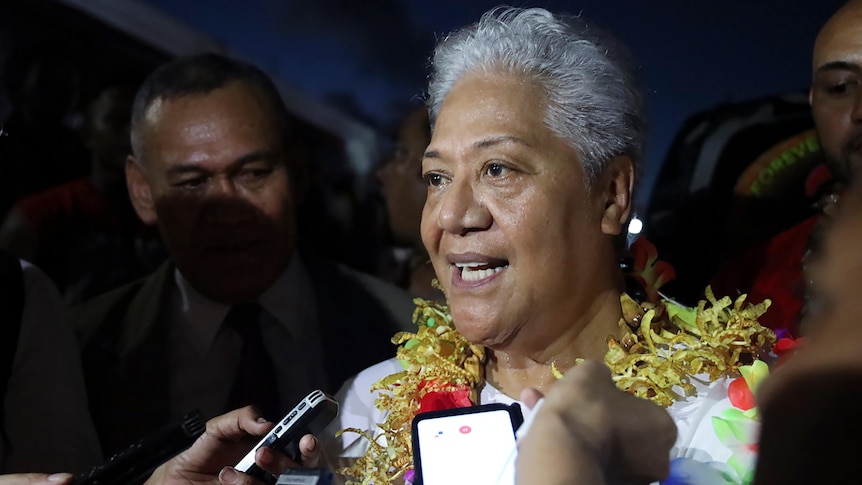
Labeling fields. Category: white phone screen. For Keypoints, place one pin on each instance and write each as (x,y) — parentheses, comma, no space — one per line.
(476,448)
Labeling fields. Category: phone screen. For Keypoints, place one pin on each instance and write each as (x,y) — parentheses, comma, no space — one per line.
(478,447)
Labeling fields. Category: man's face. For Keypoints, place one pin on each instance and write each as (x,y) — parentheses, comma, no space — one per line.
(836,90)
(212,173)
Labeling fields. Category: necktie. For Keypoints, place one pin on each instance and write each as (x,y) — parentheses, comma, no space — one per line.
(255,381)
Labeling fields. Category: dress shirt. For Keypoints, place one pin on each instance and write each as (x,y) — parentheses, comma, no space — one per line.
(204,354)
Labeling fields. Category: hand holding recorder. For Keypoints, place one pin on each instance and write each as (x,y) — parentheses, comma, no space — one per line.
(228,439)
(311,415)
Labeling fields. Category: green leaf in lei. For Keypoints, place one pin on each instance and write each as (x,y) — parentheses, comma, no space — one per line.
(754,374)
(679,313)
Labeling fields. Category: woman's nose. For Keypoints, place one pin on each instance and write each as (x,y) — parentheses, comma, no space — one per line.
(460,210)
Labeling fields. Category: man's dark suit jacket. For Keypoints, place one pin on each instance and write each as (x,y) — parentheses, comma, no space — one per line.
(123,335)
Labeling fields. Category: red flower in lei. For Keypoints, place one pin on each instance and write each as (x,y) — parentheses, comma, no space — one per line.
(437,400)
(786,345)
(650,272)
(740,394)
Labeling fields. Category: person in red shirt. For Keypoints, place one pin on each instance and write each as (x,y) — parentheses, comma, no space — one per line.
(84,233)
(777,269)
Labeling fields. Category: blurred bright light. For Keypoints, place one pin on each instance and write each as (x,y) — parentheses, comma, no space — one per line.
(635,226)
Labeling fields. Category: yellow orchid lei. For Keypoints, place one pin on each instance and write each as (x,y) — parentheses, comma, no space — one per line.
(663,346)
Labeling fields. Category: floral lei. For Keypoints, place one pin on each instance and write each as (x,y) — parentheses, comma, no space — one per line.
(664,344)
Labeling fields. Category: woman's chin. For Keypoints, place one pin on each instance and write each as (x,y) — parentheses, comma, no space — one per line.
(480,332)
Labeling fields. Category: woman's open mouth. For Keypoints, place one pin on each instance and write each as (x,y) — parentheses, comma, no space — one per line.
(474,269)
(478,271)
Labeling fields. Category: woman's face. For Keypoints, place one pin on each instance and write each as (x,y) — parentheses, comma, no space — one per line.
(515,239)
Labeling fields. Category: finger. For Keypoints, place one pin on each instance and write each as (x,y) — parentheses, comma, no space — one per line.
(60,478)
(229,476)
(310,450)
(590,373)
(36,479)
(530,397)
(273,461)
(276,462)
(643,439)
(583,382)
(632,433)
(238,423)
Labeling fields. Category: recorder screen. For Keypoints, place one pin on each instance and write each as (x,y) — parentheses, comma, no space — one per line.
(477,448)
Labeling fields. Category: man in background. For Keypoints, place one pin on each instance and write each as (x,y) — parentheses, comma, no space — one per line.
(240,315)
(836,89)
(777,269)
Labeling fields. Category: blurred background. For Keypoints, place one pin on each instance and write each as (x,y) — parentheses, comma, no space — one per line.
(726,84)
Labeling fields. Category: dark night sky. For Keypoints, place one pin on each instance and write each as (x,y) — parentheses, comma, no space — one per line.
(693,54)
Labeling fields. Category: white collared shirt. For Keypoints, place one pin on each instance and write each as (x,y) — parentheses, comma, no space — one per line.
(205,354)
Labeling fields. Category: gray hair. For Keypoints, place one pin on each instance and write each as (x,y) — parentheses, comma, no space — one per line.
(594,99)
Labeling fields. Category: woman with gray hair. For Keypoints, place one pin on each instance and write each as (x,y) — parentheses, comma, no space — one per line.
(537,127)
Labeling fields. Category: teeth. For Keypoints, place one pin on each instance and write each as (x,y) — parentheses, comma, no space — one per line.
(469,274)
(469,265)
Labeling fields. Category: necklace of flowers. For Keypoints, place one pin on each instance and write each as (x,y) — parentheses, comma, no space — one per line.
(664,345)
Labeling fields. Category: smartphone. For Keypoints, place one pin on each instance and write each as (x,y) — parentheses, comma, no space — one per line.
(466,445)
(311,415)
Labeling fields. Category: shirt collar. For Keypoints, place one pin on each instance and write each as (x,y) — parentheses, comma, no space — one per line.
(287,300)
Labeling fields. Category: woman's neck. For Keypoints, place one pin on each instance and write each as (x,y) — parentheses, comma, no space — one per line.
(511,371)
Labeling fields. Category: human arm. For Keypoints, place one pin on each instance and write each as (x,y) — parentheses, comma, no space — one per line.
(587,431)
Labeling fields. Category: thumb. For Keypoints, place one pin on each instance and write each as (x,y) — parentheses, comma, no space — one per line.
(530,397)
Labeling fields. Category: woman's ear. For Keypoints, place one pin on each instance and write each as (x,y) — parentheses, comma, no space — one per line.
(617,184)
(139,191)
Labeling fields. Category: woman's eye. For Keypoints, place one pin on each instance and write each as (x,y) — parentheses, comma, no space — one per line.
(433,179)
(496,170)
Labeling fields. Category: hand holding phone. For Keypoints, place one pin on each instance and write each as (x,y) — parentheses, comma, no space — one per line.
(311,415)
(466,445)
